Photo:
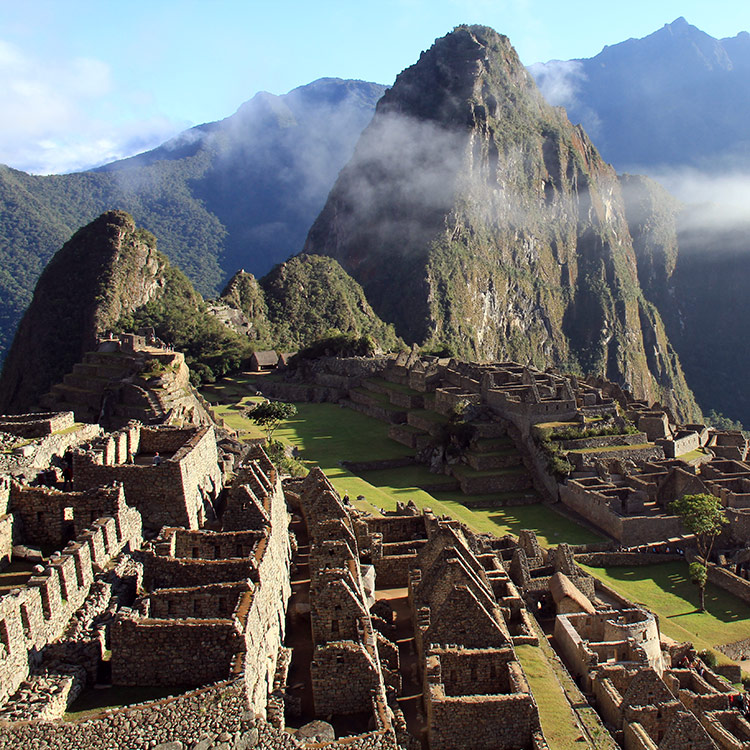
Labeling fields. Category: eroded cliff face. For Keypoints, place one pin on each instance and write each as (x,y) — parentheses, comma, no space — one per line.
(107,269)
(476,215)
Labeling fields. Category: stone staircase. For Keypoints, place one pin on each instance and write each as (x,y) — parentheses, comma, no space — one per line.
(106,388)
(494,467)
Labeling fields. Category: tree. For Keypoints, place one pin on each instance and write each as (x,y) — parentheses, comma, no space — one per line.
(269,414)
(703,516)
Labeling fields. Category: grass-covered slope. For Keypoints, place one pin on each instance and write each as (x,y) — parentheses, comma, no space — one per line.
(311,296)
(106,269)
(109,276)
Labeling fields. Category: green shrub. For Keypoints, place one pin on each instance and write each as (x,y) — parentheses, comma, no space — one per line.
(285,463)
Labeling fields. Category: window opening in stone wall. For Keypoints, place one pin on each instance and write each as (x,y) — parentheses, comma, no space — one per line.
(170,607)
(25,621)
(4,641)
(196,606)
(222,605)
(39,516)
(339,659)
(196,552)
(335,626)
(238,550)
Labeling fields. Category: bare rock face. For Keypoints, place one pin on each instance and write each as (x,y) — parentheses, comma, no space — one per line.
(107,269)
(476,215)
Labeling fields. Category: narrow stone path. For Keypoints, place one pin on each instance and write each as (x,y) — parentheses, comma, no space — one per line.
(299,632)
(410,701)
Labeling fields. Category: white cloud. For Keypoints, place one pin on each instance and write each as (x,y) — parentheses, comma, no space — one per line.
(558,80)
(68,115)
(716,200)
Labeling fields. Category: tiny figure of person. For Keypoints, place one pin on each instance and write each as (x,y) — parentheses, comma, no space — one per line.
(157,459)
(67,473)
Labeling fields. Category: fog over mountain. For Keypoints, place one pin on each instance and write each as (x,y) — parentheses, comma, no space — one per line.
(239,193)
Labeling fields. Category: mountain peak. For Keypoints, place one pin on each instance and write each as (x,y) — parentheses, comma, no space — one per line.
(476,215)
(678,23)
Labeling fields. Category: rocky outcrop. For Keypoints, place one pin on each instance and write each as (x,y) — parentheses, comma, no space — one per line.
(106,270)
(476,215)
(307,298)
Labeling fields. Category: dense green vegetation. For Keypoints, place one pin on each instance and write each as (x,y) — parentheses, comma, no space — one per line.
(179,317)
(239,193)
(311,297)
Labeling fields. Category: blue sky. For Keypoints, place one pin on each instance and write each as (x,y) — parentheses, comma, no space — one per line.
(86,81)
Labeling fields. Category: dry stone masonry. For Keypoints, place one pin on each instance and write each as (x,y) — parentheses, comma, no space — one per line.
(280,616)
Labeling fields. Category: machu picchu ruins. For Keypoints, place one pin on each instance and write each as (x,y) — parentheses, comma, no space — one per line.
(452,466)
(275,611)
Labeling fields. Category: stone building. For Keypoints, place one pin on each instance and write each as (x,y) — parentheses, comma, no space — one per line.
(36,613)
(216,605)
(177,488)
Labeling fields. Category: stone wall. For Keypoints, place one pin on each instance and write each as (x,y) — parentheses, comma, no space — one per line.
(628,530)
(345,677)
(730,582)
(266,619)
(481,722)
(475,671)
(36,425)
(146,651)
(218,600)
(208,545)
(172,494)
(393,571)
(219,597)
(161,572)
(186,718)
(37,614)
(49,517)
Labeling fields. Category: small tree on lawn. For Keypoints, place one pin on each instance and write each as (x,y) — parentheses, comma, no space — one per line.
(269,414)
(703,516)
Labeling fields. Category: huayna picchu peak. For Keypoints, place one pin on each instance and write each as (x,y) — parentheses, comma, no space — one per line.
(476,215)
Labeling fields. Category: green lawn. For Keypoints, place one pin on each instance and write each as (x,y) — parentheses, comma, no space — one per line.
(666,590)
(328,434)
(557,718)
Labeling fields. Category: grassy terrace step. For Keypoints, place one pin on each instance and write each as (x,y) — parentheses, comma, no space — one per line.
(429,415)
(493,445)
(373,398)
(502,499)
(415,476)
(494,461)
(325,435)
(610,448)
(386,384)
(466,472)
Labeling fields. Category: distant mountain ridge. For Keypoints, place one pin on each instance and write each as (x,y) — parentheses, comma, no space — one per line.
(241,192)
(663,100)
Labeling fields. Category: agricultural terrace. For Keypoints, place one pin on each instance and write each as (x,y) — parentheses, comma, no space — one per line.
(329,435)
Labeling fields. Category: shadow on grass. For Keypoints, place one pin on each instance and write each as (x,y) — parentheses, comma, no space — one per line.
(669,584)
(93,701)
